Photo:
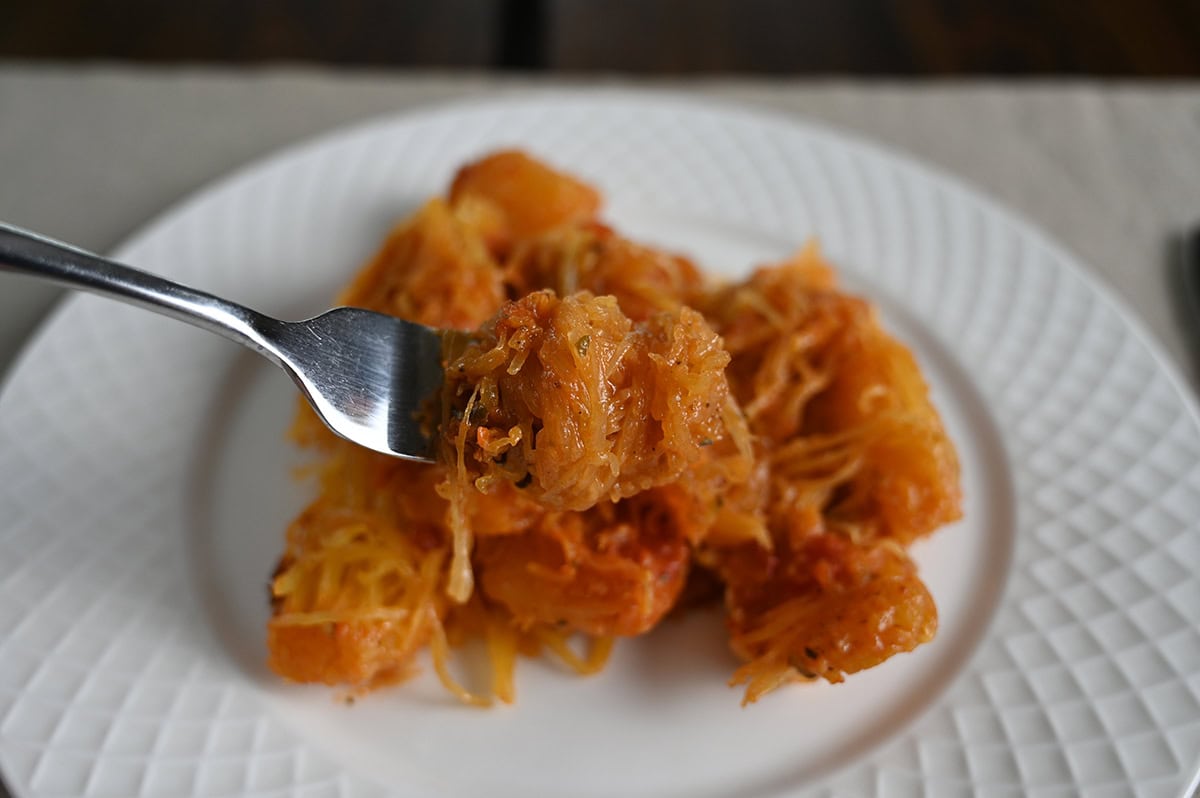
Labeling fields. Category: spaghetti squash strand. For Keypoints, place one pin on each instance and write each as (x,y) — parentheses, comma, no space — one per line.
(615,428)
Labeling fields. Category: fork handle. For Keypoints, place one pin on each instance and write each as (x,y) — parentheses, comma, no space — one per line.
(24,252)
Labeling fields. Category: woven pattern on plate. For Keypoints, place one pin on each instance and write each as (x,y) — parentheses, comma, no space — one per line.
(1089,679)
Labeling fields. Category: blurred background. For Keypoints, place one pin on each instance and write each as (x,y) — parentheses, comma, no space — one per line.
(1137,38)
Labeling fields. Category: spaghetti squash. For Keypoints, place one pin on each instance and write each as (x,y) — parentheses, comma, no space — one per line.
(619,437)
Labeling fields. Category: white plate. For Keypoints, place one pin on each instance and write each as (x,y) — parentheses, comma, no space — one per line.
(144,490)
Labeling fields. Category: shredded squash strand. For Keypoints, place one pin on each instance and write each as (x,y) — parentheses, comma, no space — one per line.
(619,437)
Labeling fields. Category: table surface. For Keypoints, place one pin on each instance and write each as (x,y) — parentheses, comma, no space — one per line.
(1112,171)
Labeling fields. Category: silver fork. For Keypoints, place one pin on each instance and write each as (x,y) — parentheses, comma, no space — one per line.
(366,374)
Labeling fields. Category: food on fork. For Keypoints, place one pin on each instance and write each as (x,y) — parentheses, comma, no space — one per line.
(577,404)
(613,426)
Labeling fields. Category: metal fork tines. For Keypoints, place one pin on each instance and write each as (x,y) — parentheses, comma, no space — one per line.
(366,374)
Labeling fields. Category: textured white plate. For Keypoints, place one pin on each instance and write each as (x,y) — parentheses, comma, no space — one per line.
(144,489)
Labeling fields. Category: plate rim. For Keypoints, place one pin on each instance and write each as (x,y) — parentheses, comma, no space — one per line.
(1162,362)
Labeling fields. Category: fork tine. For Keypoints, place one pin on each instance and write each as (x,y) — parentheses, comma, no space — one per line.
(369,376)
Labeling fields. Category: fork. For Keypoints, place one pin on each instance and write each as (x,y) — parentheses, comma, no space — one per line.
(366,374)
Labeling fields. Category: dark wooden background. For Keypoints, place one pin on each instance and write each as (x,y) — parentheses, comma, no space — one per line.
(663,37)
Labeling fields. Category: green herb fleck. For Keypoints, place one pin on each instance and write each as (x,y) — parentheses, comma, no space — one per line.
(706,441)
(581,346)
